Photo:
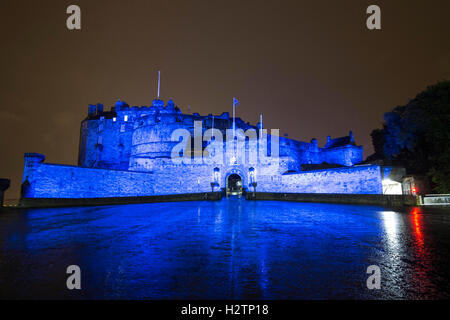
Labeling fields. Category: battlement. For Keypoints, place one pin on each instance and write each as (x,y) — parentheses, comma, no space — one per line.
(121,111)
(110,138)
(128,151)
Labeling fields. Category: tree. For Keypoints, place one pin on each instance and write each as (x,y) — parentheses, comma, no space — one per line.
(418,135)
(377,136)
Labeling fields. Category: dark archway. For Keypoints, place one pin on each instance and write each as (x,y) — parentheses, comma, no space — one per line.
(234,184)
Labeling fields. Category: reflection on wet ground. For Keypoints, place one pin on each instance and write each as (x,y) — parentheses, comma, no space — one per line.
(233,249)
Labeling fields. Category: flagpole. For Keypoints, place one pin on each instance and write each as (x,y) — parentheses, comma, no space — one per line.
(234,121)
(261,124)
(212,135)
(159,80)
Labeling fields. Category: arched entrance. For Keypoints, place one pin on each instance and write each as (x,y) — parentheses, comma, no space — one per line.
(234,184)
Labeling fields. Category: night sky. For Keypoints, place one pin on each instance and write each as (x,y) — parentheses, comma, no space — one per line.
(311,67)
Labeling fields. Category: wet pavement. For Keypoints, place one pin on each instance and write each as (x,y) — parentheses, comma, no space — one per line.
(232,249)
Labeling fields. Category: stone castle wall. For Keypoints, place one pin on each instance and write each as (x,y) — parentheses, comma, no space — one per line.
(42,180)
(125,152)
(61,181)
(366,179)
(106,143)
(109,138)
(345,155)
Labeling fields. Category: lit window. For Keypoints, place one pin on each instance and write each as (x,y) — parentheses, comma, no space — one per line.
(114,119)
(125,118)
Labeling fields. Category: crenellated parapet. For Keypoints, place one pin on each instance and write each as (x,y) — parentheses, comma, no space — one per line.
(120,138)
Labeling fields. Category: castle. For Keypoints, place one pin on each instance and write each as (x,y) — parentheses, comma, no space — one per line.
(129,152)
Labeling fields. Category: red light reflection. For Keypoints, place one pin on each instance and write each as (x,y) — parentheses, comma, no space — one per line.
(416,211)
(423,266)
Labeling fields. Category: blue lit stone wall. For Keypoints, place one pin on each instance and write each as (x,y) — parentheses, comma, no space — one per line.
(107,137)
(347,155)
(300,152)
(125,151)
(106,143)
(61,181)
(364,179)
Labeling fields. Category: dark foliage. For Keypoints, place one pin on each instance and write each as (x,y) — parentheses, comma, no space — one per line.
(418,135)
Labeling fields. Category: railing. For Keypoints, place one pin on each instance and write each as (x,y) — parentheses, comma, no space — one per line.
(435,200)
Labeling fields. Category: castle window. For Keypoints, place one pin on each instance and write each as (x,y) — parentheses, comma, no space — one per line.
(100,127)
(125,118)
(122,128)
(114,119)
(100,140)
(102,118)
